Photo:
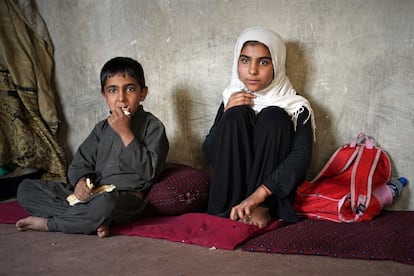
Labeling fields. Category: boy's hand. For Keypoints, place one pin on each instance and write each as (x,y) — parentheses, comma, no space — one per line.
(240,98)
(120,123)
(82,191)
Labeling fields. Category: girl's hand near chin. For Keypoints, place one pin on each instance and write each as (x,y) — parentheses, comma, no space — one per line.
(240,98)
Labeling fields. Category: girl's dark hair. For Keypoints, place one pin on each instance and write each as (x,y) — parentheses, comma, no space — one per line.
(252,43)
(124,66)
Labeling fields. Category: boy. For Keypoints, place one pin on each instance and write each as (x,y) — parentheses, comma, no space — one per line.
(127,150)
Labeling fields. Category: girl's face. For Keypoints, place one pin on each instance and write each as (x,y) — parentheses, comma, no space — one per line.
(124,92)
(255,66)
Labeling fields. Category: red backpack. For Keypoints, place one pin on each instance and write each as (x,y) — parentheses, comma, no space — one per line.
(351,187)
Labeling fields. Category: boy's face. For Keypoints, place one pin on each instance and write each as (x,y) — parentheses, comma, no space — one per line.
(255,66)
(123,92)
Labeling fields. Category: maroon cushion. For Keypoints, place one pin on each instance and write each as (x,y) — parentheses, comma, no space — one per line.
(181,189)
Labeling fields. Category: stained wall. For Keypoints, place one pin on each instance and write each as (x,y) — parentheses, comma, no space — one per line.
(354,61)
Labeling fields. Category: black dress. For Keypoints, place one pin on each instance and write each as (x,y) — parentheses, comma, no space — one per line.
(246,150)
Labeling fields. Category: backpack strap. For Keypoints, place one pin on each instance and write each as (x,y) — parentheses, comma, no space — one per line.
(340,160)
(362,173)
(362,137)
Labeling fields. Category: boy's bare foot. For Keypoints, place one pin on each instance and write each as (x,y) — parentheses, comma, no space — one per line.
(102,231)
(259,217)
(32,223)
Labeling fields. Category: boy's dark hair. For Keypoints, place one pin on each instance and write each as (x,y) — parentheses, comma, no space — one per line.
(124,66)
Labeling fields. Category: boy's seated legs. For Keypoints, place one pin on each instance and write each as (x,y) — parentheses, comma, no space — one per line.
(46,201)
(129,207)
(102,231)
(43,198)
(32,223)
(85,218)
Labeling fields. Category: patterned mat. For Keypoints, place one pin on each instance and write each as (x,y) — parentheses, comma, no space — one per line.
(390,236)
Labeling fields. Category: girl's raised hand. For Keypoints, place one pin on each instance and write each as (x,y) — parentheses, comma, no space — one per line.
(240,98)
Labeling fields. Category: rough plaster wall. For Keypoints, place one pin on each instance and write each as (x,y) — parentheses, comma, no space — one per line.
(354,60)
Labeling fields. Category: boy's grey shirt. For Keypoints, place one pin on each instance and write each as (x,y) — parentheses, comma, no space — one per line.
(131,168)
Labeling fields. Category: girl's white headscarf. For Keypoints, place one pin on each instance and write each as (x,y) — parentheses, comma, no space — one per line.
(280,91)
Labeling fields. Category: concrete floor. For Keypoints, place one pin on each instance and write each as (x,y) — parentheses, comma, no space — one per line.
(40,253)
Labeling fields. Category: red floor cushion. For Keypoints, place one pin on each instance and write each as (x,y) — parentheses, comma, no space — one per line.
(181,189)
(195,228)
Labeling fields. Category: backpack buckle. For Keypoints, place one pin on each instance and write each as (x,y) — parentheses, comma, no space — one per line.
(361,209)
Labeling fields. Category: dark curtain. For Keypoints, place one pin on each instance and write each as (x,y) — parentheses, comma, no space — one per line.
(28,116)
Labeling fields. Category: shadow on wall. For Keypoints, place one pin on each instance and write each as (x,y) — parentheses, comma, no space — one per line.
(63,130)
(299,70)
(186,145)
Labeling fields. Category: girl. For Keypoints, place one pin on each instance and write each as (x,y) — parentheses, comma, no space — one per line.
(260,144)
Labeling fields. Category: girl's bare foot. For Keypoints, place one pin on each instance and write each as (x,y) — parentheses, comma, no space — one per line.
(32,223)
(259,217)
(102,231)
